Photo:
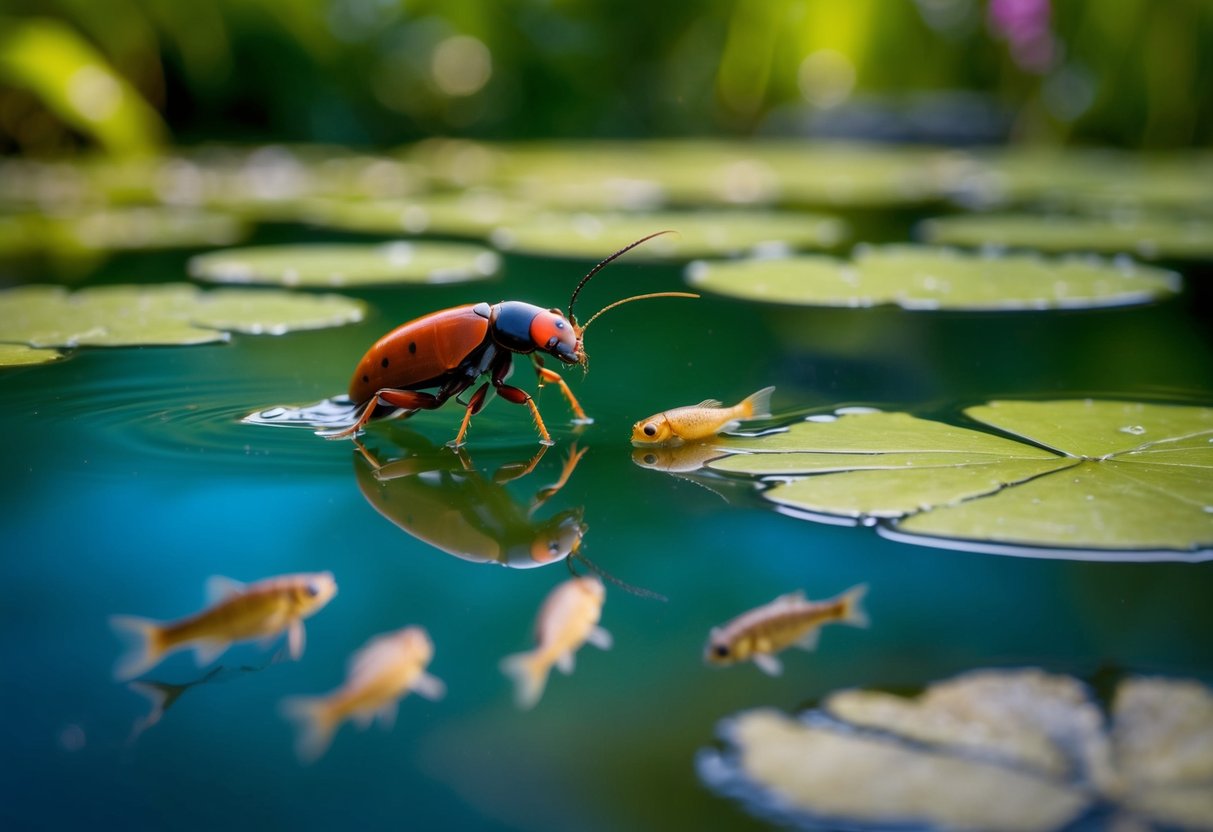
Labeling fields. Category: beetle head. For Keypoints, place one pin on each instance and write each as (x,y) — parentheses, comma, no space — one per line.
(556,336)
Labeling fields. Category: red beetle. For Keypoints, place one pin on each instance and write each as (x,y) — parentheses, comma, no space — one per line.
(447,351)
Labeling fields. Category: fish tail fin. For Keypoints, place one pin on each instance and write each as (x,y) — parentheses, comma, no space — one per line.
(757,405)
(145,645)
(853,612)
(529,675)
(315,722)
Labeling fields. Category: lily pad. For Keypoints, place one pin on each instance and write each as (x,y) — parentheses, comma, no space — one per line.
(699,234)
(1101,475)
(994,749)
(174,313)
(926,278)
(469,214)
(1150,238)
(1089,181)
(144,229)
(347,264)
(646,175)
(20,355)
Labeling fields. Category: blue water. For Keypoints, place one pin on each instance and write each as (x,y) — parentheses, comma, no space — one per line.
(129,480)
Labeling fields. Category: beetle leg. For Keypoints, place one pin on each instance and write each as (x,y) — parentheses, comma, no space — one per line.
(518,396)
(473,407)
(546,493)
(518,470)
(407,399)
(546,375)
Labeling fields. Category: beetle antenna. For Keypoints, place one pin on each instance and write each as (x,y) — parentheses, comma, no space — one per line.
(581,330)
(638,591)
(601,265)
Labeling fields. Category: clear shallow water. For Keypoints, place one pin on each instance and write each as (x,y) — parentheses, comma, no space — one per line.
(130,480)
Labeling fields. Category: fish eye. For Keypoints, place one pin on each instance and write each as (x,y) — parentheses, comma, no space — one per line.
(560,324)
(554,547)
(650,429)
(721,650)
(311,589)
(650,459)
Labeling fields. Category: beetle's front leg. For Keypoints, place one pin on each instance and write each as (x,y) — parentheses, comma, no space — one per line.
(501,369)
(546,375)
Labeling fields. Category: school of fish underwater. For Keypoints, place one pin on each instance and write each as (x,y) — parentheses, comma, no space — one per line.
(783,482)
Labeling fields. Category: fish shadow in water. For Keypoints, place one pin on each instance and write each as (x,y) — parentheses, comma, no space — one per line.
(164,695)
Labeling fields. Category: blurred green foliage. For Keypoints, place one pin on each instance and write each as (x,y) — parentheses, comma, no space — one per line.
(1128,73)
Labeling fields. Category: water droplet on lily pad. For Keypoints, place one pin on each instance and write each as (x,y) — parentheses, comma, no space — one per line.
(925,278)
(698,234)
(172,313)
(1083,486)
(348,264)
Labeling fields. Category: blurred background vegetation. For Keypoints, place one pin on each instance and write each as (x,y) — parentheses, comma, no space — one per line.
(130,75)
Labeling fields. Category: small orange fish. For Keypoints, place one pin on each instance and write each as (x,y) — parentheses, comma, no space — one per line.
(378,677)
(568,619)
(788,620)
(237,612)
(700,421)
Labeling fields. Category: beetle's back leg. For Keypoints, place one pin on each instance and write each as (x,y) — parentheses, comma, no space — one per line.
(546,375)
(410,400)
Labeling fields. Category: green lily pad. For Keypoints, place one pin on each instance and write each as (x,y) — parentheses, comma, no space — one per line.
(699,234)
(20,355)
(144,229)
(994,749)
(925,278)
(1101,475)
(347,264)
(1149,238)
(1098,182)
(468,214)
(701,173)
(114,316)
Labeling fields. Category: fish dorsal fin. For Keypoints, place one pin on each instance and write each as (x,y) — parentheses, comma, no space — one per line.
(219,588)
(792,597)
(710,403)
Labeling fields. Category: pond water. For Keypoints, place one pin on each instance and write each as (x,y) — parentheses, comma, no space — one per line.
(130,479)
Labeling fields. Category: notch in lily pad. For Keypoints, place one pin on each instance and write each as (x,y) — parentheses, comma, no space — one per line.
(1097,480)
(924,278)
(327,265)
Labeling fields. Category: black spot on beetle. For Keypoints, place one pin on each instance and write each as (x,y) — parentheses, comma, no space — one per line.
(366,379)
(412,347)
(383,363)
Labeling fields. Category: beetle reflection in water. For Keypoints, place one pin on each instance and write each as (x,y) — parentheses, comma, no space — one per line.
(437,496)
